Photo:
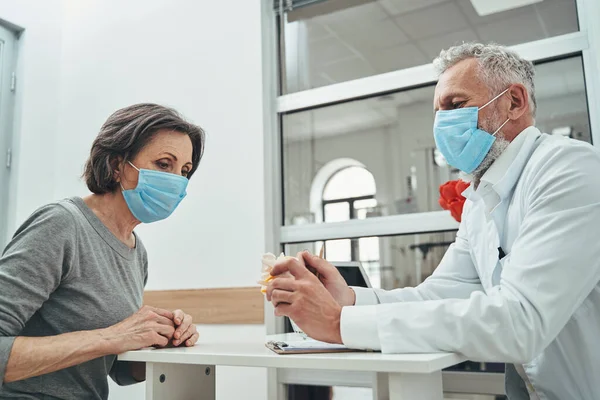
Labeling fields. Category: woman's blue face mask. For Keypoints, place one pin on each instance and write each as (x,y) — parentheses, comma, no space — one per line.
(156,195)
(459,140)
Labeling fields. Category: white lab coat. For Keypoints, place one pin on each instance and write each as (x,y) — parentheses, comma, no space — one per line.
(540,305)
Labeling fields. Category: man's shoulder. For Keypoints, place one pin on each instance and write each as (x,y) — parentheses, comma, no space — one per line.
(560,155)
(560,146)
(561,168)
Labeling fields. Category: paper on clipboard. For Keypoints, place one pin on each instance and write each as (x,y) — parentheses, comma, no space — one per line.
(306,346)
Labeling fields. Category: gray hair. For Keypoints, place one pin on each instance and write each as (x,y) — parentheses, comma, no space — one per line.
(125,133)
(499,67)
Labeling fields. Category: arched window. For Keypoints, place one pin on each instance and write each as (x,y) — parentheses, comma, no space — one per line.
(350,182)
(350,194)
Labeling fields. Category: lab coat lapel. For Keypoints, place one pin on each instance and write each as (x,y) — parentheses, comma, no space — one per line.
(485,241)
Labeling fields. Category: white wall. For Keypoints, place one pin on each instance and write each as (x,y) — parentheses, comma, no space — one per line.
(205,62)
(36,108)
(83,59)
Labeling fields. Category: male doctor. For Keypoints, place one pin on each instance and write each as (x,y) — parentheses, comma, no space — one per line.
(521,282)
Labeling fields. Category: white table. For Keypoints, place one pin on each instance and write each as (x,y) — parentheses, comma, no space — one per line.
(189,373)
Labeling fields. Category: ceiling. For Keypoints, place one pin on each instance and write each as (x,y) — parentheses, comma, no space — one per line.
(387,35)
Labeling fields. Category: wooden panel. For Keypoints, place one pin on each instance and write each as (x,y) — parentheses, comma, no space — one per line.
(244,305)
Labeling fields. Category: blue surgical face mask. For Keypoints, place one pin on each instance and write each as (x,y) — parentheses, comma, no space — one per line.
(156,195)
(459,140)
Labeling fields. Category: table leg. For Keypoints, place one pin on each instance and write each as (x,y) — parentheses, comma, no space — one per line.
(180,382)
(416,386)
(381,386)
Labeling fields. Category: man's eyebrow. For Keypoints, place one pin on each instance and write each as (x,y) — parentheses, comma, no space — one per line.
(447,97)
(452,95)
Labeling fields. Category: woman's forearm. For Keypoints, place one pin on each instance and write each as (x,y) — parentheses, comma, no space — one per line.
(34,356)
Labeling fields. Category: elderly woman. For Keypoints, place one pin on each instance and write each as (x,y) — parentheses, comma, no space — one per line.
(73,276)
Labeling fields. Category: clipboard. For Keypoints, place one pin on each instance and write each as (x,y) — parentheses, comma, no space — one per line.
(307,346)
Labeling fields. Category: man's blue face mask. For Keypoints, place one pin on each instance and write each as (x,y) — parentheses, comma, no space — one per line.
(459,140)
(156,195)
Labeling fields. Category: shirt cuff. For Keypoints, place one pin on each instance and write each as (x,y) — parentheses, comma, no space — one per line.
(6,344)
(358,327)
(365,296)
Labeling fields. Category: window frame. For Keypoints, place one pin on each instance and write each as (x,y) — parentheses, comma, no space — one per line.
(389,224)
(350,201)
(354,246)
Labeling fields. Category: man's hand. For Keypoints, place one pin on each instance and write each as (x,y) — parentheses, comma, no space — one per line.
(186,331)
(331,279)
(328,274)
(305,300)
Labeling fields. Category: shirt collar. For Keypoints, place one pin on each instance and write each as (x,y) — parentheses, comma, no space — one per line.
(504,173)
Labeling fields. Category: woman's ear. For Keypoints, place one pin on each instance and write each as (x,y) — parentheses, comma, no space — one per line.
(519,101)
(116,165)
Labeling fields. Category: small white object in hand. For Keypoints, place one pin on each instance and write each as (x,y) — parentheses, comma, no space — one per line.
(268,262)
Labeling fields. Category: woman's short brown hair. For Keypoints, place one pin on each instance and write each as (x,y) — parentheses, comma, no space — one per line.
(125,133)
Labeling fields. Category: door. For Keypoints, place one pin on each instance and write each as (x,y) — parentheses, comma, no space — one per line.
(7,99)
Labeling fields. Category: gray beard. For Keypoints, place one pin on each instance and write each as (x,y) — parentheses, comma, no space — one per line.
(490,124)
(498,147)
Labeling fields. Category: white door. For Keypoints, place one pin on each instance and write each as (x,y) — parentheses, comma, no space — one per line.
(7,96)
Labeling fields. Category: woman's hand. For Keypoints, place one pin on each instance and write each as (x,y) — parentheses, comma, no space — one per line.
(186,331)
(148,327)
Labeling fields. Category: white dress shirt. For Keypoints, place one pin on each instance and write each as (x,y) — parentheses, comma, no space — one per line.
(540,305)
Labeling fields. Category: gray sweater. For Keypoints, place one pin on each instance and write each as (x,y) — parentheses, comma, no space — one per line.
(64,271)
